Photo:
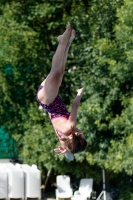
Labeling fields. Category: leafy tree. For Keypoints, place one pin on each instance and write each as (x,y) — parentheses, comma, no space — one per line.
(107,114)
(100,60)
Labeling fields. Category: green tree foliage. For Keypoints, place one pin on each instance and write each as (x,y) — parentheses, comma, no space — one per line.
(109,115)
(100,60)
(28,39)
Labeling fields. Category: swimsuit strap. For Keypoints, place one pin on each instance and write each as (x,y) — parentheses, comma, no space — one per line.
(60,116)
(60,134)
(64,133)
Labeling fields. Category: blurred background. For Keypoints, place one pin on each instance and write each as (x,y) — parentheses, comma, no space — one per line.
(100,60)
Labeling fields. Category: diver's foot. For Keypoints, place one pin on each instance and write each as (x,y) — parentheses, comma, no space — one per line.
(64,38)
(72,36)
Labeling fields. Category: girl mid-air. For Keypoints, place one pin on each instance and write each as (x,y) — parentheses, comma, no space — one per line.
(64,122)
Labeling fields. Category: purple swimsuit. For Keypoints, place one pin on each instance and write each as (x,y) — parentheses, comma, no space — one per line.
(56,109)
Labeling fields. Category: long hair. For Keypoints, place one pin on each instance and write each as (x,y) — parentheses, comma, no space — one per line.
(77,143)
